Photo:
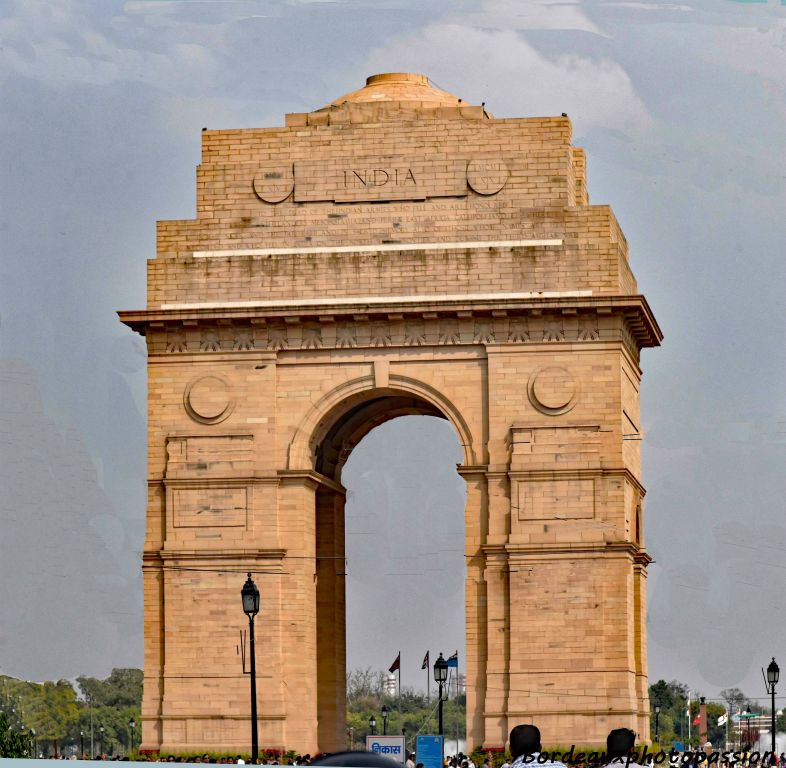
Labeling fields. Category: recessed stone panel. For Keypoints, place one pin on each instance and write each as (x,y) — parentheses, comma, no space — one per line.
(209,455)
(209,507)
(567,499)
(379,178)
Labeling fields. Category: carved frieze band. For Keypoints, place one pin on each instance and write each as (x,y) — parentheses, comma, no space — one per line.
(364,332)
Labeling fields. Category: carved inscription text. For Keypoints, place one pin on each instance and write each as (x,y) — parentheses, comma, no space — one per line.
(379,178)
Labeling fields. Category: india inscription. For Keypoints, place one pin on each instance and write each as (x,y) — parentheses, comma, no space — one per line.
(297,312)
(379,178)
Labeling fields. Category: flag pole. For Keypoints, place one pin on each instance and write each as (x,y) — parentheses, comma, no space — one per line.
(399,683)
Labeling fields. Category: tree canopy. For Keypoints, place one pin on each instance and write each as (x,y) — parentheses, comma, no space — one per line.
(123,688)
(412,712)
(57,716)
(12,742)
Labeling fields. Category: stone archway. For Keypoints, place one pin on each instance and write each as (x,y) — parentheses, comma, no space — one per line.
(398,251)
(338,427)
(344,415)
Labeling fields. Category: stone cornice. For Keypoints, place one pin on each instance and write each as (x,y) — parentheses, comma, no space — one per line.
(309,477)
(578,473)
(212,555)
(571,549)
(201,478)
(634,308)
(208,337)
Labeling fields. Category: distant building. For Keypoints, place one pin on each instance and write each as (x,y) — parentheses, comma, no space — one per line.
(391,684)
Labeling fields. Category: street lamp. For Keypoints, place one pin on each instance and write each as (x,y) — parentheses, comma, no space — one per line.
(440,676)
(351,732)
(385,713)
(750,732)
(132,725)
(81,745)
(250,595)
(771,680)
(372,724)
(657,718)
(101,740)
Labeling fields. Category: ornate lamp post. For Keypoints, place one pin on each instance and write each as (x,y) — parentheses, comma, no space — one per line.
(372,724)
(385,714)
(657,718)
(771,680)
(132,726)
(750,732)
(440,676)
(250,595)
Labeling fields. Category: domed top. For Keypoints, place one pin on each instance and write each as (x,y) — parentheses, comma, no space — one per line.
(399,86)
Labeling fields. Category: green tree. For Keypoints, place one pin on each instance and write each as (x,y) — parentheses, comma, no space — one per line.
(663,695)
(672,699)
(410,712)
(111,704)
(52,710)
(12,742)
(123,688)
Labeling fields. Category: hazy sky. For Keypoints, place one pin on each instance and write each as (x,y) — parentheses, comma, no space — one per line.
(682,110)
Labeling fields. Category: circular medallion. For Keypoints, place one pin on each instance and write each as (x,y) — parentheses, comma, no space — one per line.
(553,390)
(208,400)
(487,177)
(275,183)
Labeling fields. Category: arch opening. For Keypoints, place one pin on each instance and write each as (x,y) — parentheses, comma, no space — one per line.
(356,422)
(392,544)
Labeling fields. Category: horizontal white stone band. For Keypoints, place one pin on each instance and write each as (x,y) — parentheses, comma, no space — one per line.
(381,248)
(363,301)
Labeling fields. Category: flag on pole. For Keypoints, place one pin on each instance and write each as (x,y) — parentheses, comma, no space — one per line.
(396,664)
(723,718)
(697,720)
(424,665)
(453,661)
(687,711)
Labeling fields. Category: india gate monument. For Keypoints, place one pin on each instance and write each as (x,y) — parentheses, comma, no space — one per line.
(398,251)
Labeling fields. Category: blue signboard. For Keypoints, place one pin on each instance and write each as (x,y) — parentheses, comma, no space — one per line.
(429,751)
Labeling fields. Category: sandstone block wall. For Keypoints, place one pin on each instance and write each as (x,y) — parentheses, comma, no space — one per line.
(372,259)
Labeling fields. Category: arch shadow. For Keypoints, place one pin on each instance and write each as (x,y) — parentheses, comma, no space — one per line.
(344,416)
